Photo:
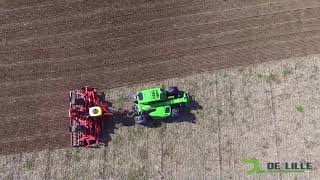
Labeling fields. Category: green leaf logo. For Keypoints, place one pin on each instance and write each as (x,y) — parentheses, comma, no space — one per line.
(255,166)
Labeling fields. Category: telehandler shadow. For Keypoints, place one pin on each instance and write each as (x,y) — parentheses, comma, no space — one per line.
(123,117)
(120,118)
(187,115)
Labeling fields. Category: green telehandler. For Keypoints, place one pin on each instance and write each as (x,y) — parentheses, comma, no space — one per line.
(154,104)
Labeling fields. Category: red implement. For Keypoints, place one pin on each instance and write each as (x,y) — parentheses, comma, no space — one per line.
(88,109)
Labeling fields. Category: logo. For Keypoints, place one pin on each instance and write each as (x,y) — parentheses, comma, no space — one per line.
(277,167)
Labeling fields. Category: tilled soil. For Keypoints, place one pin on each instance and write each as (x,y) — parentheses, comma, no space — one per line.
(48,48)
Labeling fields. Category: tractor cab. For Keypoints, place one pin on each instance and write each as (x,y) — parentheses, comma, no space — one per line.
(151,95)
(160,112)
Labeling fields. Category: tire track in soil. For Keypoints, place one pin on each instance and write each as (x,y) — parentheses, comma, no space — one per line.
(275,122)
(219,131)
(245,34)
(18,173)
(12,6)
(188,22)
(80,65)
(96,21)
(21,88)
(45,70)
(61,9)
(53,122)
(47,173)
(35,144)
(52,10)
(94,37)
(8,6)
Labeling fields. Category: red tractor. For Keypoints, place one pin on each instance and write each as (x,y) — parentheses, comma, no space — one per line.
(88,110)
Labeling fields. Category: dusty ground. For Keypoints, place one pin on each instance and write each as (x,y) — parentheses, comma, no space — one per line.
(50,47)
(268,111)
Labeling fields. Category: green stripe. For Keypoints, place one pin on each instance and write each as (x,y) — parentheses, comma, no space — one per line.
(286,171)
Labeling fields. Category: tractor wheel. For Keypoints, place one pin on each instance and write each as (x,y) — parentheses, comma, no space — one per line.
(74,129)
(72,97)
(101,96)
(74,133)
(133,108)
(175,112)
(173,90)
(182,107)
(141,119)
(134,99)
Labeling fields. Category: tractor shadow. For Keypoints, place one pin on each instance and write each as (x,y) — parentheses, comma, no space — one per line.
(187,115)
(106,131)
(122,117)
(110,125)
